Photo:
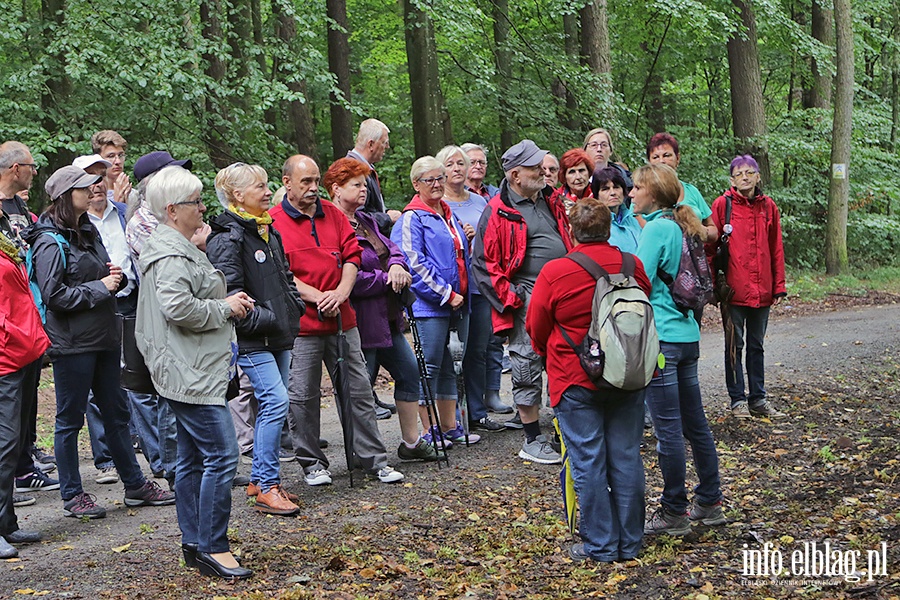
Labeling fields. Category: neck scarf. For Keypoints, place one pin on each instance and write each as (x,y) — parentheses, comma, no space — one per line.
(262,222)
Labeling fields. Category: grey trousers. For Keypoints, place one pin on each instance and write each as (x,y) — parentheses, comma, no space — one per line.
(304,389)
(526,365)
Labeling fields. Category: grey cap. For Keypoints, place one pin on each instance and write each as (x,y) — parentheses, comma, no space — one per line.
(67,178)
(524,154)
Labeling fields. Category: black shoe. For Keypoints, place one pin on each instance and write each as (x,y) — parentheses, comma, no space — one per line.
(514,423)
(385,405)
(211,567)
(382,414)
(190,555)
(21,536)
(323,443)
(486,424)
(240,481)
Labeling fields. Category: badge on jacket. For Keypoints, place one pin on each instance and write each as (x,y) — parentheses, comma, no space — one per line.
(260,256)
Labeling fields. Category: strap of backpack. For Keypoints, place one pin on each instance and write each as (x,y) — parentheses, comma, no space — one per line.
(727,209)
(568,339)
(588,264)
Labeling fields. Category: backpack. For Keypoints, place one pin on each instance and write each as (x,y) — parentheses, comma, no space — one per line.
(621,347)
(63,243)
(692,287)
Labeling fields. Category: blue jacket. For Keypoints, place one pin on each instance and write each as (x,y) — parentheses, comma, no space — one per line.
(624,230)
(430,252)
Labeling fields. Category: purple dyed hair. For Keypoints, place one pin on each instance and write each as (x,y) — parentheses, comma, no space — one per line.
(743,160)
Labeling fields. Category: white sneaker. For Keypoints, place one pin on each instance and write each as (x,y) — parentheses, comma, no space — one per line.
(107,475)
(389,475)
(318,477)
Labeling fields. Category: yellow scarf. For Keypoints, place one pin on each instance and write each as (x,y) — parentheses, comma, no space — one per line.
(262,223)
(10,249)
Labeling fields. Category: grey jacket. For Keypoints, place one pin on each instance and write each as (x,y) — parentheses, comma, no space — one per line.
(183,327)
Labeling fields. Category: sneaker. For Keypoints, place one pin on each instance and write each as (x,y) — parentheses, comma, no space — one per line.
(432,438)
(539,450)
(740,411)
(35,481)
(577,553)
(486,424)
(149,494)
(708,515)
(23,500)
(318,477)
(276,502)
(83,505)
(107,475)
(458,436)
(514,423)
(44,458)
(389,475)
(553,440)
(382,414)
(286,455)
(253,491)
(766,410)
(424,450)
(662,521)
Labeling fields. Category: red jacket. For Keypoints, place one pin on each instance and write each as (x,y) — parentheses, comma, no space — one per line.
(563,295)
(756,254)
(316,249)
(22,337)
(500,246)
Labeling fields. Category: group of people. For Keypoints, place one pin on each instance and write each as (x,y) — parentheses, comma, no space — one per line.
(278,284)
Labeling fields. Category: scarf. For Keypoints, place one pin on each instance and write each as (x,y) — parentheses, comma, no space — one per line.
(10,249)
(262,222)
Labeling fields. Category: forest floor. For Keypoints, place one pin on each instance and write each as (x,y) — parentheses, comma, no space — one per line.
(490,525)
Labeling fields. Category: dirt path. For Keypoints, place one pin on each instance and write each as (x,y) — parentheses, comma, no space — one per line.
(489,526)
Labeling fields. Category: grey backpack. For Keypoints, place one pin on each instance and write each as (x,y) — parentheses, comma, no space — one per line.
(621,347)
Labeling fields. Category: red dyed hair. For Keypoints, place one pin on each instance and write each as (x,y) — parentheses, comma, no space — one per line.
(662,139)
(343,170)
(573,158)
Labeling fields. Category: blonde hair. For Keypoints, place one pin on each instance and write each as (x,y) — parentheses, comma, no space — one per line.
(235,177)
(663,185)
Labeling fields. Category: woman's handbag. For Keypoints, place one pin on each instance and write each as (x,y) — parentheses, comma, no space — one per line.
(135,375)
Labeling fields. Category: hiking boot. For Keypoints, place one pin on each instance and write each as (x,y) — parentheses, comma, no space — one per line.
(514,423)
(663,521)
(493,403)
(423,451)
(486,424)
(458,436)
(389,475)
(708,515)
(766,410)
(539,450)
(435,440)
(253,490)
(149,494)
(23,500)
(318,477)
(83,505)
(275,502)
(107,475)
(35,481)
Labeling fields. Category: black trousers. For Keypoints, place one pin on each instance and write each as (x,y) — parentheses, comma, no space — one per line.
(18,395)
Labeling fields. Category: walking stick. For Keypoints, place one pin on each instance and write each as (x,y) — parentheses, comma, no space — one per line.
(406,299)
(457,351)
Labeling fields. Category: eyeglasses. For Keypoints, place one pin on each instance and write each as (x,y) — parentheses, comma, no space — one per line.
(432,180)
(114,155)
(482,163)
(32,166)
(598,146)
(188,203)
(740,174)
(552,169)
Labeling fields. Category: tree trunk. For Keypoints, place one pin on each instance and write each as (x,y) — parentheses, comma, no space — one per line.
(819,93)
(270,115)
(431,123)
(54,95)
(839,192)
(339,65)
(595,37)
(895,76)
(500,14)
(216,115)
(747,108)
(301,130)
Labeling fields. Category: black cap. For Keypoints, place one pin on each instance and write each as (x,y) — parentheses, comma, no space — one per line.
(149,164)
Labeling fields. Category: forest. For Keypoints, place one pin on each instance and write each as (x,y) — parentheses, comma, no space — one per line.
(220,81)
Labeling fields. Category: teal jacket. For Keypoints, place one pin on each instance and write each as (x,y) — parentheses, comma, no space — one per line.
(624,230)
(660,247)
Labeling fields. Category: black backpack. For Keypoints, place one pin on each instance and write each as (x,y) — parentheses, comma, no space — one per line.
(692,286)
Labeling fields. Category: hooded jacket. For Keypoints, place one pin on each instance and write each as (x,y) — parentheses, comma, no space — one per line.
(81,312)
(756,253)
(183,327)
(252,265)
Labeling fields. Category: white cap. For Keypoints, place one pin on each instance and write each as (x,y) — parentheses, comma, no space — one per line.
(83,162)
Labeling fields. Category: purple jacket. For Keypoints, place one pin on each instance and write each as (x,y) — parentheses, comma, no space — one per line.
(371,293)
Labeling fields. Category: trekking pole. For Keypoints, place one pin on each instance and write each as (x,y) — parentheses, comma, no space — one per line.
(437,433)
(457,351)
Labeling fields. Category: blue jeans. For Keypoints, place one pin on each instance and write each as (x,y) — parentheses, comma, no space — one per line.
(400,362)
(754,321)
(677,411)
(493,359)
(268,373)
(475,360)
(602,431)
(207,462)
(155,424)
(435,334)
(75,376)
(97,434)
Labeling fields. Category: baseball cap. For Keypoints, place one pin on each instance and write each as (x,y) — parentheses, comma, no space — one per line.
(524,154)
(83,162)
(67,178)
(149,164)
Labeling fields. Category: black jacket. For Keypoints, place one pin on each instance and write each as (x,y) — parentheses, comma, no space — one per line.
(81,312)
(261,270)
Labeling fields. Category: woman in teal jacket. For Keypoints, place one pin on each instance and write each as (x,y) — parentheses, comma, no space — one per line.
(674,394)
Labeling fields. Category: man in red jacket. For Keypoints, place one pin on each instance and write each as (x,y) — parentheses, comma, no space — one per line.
(324,256)
(755,273)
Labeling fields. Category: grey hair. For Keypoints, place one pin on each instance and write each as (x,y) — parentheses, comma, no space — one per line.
(170,185)
(469,146)
(447,152)
(11,153)
(370,130)
(423,165)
